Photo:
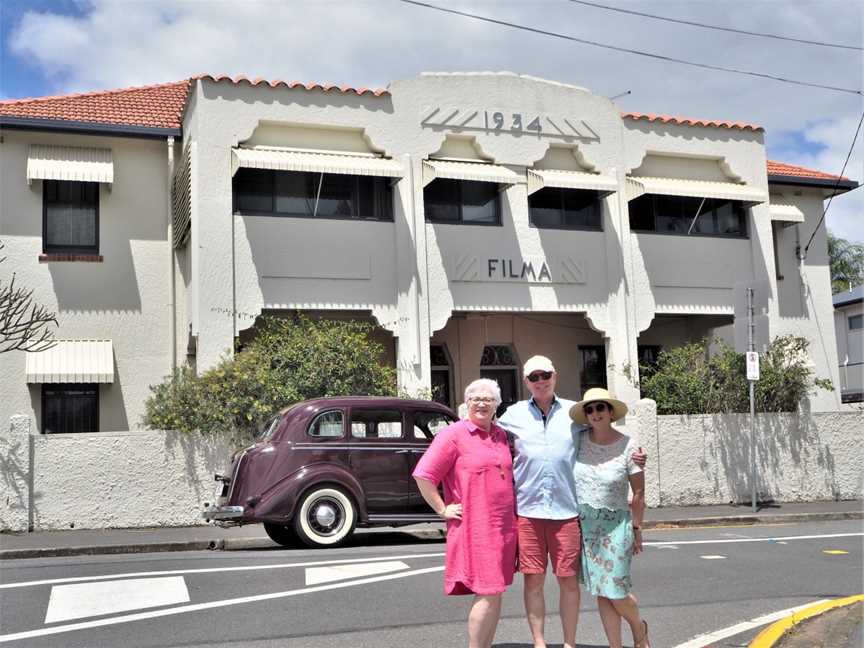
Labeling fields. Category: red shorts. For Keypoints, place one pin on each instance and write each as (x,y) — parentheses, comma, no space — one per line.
(560,540)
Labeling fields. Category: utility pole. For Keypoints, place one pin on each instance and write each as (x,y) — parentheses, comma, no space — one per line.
(752,377)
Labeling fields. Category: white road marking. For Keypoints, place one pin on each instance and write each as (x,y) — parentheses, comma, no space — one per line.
(197,607)
(734,540)
(713,557)
(212,570)
(702,641)
(107,597)
(663,546)
(317,575)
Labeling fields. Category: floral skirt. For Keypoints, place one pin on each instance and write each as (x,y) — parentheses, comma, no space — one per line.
(607,547)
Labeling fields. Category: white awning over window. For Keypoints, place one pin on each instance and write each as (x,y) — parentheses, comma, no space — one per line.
(287,160)
(784,211)
(72,361)
(475,171)
(69,163)
(694,189)
(540,178)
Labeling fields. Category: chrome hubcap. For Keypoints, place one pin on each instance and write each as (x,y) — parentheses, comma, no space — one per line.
(325,515)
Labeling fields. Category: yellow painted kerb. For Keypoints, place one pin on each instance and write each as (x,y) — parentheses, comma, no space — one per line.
(770,635)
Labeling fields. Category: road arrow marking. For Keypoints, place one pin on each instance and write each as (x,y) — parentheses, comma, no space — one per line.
(318,575)
(107,597)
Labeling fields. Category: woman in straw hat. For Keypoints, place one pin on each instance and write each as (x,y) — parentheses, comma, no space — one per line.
(611,529)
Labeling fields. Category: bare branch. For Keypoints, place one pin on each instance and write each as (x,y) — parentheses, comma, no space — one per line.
(24,324)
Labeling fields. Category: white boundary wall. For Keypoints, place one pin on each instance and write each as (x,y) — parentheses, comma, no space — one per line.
(157,478)
(705,459)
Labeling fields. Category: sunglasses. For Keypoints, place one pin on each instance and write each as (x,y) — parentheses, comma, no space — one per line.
(596,407)
(540,375)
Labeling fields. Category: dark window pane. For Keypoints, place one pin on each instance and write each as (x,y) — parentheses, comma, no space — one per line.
(438,356)
(642,213)
(508,382)
(69,408)
(544,208)
(293,193)
(337,198)
(479,202)
(581,208)
(441,386)
(441,200)
(593,367)
(254,190)
(71,215)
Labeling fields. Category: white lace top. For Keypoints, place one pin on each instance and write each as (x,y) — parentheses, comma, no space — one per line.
(601,472)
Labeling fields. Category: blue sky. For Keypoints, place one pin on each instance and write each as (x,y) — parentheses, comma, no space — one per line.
(60,46)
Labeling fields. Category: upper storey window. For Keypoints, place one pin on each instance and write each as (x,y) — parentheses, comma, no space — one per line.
(312,195)
(684,214)
(70,217)
(462,201)
(559,208)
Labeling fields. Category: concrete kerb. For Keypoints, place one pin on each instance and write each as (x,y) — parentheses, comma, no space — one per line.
(776,631)
(252,543)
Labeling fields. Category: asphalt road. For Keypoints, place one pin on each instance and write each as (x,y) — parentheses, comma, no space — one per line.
(374,593)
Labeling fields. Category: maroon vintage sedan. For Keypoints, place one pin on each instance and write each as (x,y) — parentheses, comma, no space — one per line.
(324,466)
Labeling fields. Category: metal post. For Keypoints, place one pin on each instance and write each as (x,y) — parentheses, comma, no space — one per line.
(751,347)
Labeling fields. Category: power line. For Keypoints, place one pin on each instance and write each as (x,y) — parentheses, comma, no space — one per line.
(718,28)
(836,184)
(660,57)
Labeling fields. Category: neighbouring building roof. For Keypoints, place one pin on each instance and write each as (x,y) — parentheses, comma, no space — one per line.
(853,296)
(158,110)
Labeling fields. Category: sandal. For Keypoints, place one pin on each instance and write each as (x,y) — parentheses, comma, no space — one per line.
(643,642)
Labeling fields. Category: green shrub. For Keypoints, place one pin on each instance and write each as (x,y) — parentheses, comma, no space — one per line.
(289,360)
(698,379)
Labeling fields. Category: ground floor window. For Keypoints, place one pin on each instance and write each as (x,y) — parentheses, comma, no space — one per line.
(593,370)
(499,363)
(440,375)
(70,408)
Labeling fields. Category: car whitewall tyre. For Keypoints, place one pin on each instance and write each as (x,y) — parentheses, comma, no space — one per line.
(325,518)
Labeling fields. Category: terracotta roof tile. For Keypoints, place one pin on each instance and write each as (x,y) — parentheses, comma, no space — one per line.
(156,106)
(688,121)
(793,170)
(326,87)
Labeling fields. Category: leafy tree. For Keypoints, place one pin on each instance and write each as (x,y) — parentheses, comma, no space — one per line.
(697,379)
(289,360)
(847,263)
(24,324)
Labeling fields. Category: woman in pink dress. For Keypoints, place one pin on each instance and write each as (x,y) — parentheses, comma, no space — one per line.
(472,459)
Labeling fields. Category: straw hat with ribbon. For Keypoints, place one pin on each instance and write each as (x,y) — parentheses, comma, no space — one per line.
(594,395)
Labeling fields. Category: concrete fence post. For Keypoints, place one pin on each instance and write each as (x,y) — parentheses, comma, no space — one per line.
(17,468)
(645,415)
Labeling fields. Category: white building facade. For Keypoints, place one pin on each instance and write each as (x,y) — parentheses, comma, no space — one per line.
(476,219)
(849,328)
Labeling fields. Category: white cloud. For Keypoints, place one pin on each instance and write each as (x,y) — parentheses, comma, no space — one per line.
(372,42)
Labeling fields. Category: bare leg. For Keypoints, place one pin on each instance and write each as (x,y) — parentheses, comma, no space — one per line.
(483,620)
(568,608)
(611,621)
(628,608)
(535,607)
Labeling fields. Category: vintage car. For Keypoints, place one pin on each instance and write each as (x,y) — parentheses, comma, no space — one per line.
(324,466)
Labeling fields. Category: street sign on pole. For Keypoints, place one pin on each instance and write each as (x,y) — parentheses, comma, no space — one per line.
(752,365)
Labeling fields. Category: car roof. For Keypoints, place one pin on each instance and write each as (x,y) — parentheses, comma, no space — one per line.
(384,401)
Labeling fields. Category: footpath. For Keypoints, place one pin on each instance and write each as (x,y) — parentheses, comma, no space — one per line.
(76,542)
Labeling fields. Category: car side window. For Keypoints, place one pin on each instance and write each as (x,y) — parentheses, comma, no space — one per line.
(327,424)
(376,424)
(428,424)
